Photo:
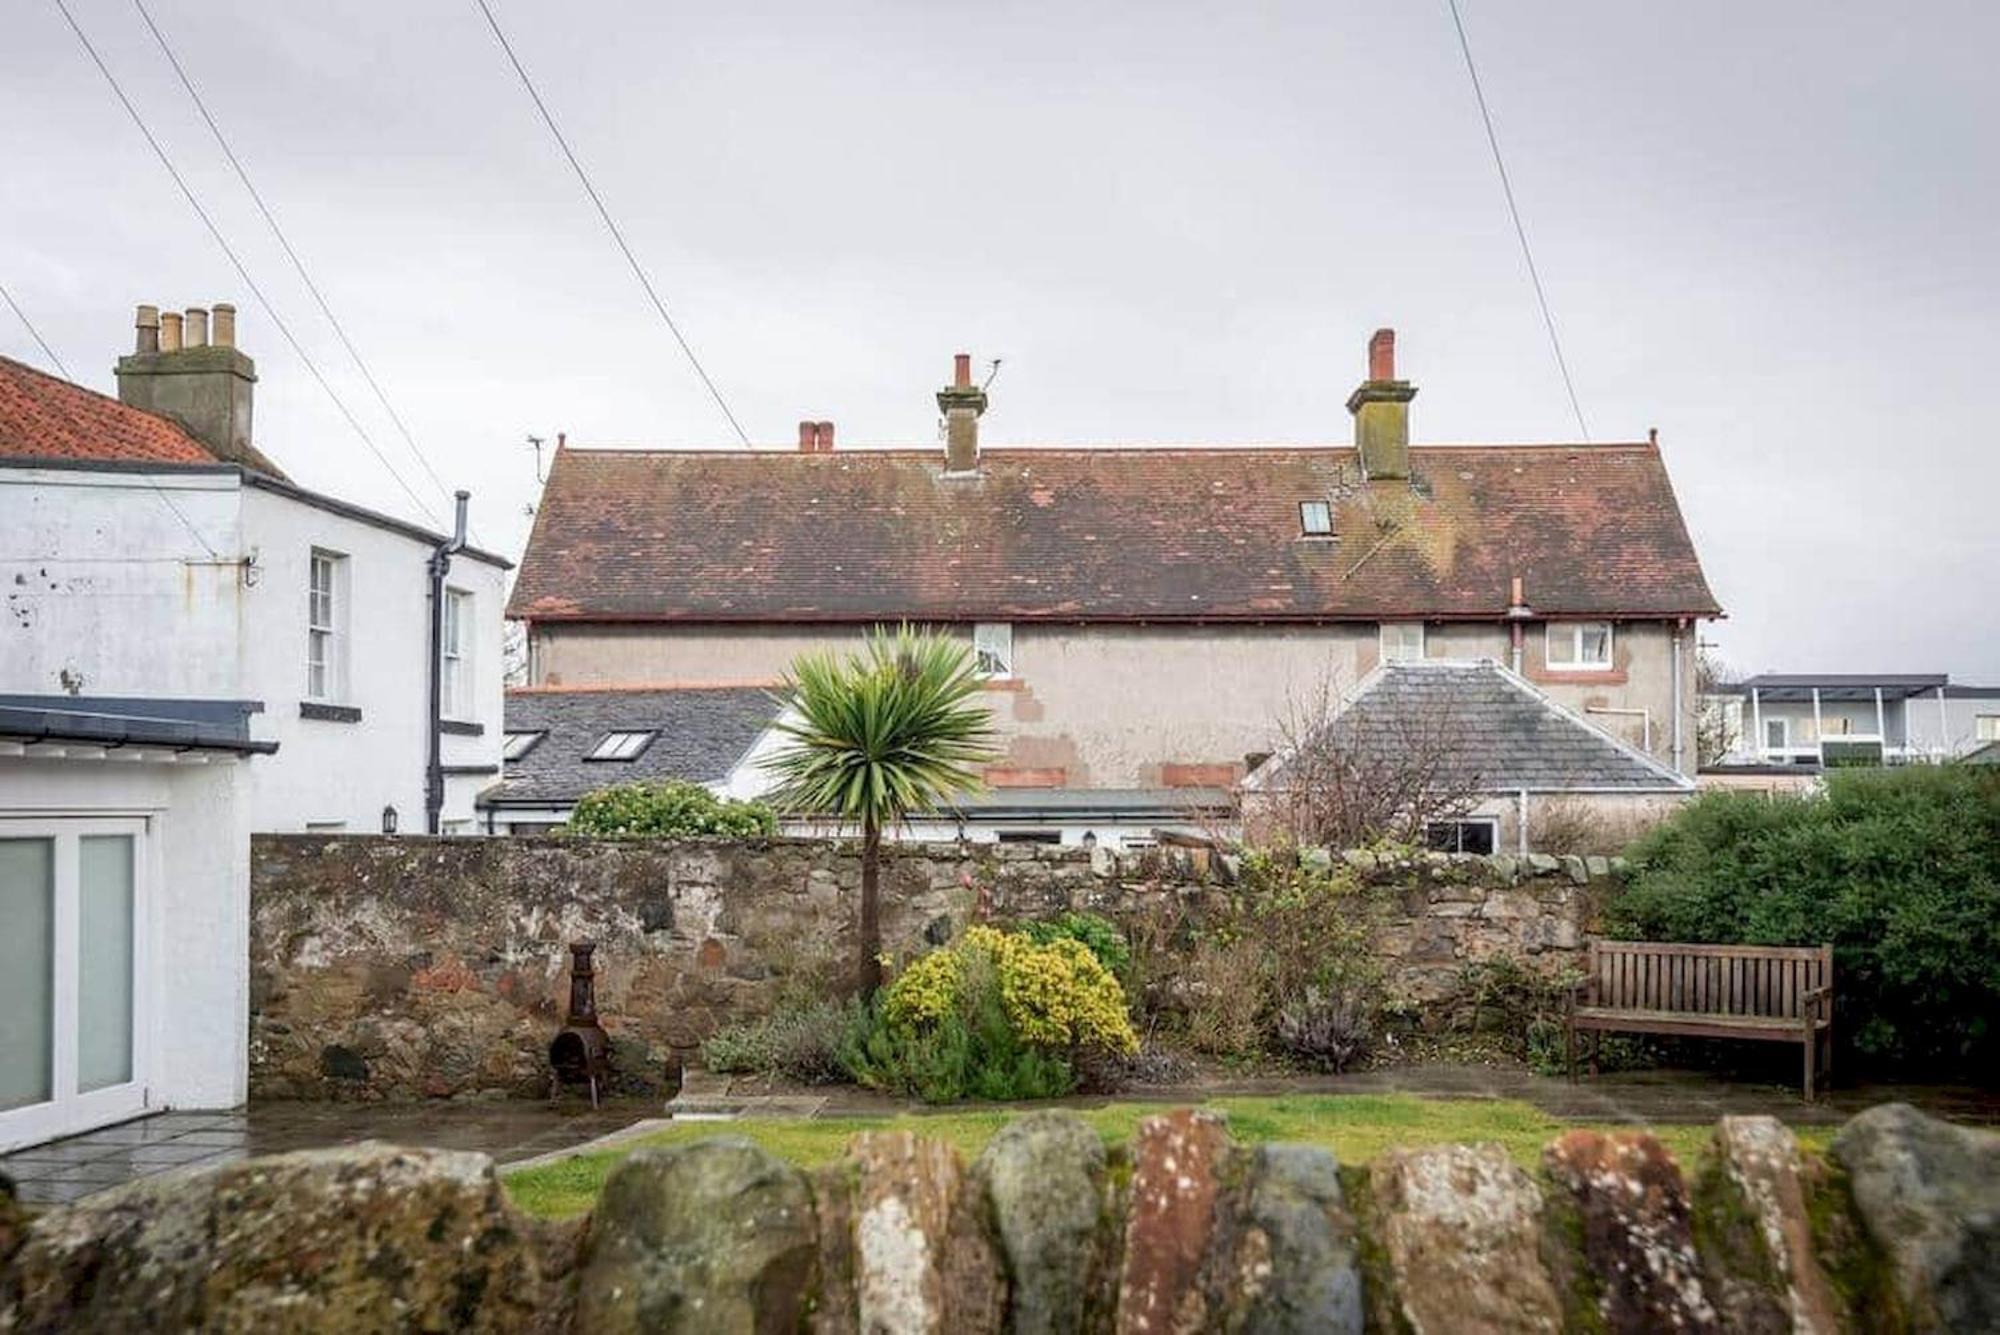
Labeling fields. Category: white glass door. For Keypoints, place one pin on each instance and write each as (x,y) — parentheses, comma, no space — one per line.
(72,965)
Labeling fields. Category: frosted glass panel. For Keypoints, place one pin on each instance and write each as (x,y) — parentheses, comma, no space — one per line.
(27,971)
(104,961)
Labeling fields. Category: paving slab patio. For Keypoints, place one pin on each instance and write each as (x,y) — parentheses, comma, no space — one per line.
(510,1131)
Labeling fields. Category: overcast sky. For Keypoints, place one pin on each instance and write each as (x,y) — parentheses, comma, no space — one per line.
(1768,230)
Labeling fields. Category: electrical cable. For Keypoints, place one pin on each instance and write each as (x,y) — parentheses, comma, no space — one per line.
(242,272)
(611,226)
(285,243)
(1514,211)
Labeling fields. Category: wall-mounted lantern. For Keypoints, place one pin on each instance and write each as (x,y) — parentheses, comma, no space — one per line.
(388,820)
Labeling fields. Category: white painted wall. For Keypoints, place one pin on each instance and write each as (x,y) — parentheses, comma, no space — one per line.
(104,585)
(347,772)
(194,1007)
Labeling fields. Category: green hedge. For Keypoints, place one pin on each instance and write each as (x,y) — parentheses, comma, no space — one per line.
(667,808)
(1898,868)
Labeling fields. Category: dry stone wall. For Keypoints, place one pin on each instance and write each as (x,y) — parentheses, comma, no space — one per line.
(1182,1230)
(400,967)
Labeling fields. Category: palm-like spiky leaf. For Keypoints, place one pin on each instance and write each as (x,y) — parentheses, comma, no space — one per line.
(882,734)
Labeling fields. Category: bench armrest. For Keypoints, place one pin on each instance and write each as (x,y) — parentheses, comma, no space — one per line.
(1816,998)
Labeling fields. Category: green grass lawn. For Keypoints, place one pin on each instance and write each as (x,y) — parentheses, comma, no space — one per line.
(1356,1127)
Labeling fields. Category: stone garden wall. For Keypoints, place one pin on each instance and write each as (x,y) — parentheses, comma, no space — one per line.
(411,967)
(1048,1229)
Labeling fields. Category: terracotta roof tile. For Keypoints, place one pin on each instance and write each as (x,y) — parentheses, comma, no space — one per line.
(1105,534)
(45,417)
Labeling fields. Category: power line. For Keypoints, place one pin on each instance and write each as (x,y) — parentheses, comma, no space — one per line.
(241,271)
(283,241)
(611,226)
(34,333)
(1534,275)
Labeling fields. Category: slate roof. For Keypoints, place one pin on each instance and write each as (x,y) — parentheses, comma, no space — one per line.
(1508,735)
(46,417)
(1105,535)
(703,732)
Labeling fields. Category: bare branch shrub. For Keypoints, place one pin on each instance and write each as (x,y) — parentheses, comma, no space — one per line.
(1714,739)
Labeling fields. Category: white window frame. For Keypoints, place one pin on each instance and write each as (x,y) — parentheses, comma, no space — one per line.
(454,656)
(622,744)
(1491,824)
(1401,628)
(70,1110)
(993,649)
(518,743)
(1784,727)
(1310,510)
(1986,727)
(1570,635)
(326,639)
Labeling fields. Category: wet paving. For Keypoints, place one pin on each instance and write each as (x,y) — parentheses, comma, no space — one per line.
(65,1170)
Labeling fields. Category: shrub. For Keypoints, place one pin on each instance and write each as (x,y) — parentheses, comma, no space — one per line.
(1295,937)
(1899,869)
(1326,1028)
(667,808)
(801,1042)
(994,1015)
(1097,934)
(1226,1002)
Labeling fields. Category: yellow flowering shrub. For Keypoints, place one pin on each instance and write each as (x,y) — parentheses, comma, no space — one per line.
(925,992)
(1056,994)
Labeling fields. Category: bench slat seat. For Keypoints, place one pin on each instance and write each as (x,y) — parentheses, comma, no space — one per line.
(1769,993)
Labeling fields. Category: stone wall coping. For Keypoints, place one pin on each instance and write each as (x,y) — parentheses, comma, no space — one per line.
(1507,866)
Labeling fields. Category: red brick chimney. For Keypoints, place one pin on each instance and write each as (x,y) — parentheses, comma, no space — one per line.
(1382,355)
(808,437)
(823,432)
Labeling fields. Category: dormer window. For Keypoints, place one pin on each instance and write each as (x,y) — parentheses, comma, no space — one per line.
(620,746)
(1316,519)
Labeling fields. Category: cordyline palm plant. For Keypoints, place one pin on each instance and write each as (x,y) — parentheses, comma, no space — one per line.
(876,737)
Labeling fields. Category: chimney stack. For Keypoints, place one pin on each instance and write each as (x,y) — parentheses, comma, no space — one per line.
(808,437)
(205,386)
(961,402)
(1381,408)
(823,432)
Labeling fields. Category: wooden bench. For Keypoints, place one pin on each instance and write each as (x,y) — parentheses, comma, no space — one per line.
(1778,994)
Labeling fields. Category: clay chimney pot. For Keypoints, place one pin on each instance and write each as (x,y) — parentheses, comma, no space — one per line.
(1382,355)
(197,327)
(170,331)
(224,333)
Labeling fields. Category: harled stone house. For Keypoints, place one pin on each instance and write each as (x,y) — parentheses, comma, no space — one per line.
(1148,617)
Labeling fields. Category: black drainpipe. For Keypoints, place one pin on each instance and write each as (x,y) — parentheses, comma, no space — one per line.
(434,769)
